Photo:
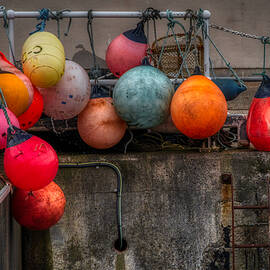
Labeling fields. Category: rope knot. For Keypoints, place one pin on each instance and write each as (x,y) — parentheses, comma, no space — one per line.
(265,40)
(5,19)
(44,15)
(150,14)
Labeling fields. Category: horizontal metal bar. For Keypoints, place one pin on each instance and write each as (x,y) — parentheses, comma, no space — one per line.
(4,192)
(11,14)
(253,246)
(178,81)
(251,207)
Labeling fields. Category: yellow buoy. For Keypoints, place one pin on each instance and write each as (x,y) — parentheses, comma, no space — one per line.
(43,59)
(15,93)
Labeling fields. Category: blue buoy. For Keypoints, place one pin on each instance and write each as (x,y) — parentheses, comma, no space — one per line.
(229,87)
(142,96)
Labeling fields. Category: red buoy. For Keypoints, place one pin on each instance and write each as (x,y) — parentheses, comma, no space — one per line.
(258,122)
(33,113)
(127,50)
(40,209)
(30,163)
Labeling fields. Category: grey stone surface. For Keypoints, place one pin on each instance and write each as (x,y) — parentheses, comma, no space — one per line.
(176,214)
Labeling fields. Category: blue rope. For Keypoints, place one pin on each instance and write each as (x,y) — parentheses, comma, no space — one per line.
(44,15)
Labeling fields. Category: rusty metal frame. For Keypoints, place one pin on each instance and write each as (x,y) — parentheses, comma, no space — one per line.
(249,207)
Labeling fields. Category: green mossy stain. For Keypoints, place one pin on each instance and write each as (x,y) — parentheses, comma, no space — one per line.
(73,253)
(120,262)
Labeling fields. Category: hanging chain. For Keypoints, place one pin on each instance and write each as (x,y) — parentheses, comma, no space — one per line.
(241,34)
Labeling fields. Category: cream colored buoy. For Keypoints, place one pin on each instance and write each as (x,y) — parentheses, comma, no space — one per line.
(43,59)
(69,96)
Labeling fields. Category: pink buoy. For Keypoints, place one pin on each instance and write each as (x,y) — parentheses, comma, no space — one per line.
(99,125)
(30,163)
(127,50)
(4,126)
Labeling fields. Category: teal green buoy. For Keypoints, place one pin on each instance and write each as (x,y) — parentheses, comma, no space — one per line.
(142,96)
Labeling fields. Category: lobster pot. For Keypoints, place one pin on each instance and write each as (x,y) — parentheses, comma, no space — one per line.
(171,59)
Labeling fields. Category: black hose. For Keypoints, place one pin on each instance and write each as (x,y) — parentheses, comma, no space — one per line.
(119,188)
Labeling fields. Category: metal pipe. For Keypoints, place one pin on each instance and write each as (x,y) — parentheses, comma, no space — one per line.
(253,246)
(103,14)
(233,227)
(251,207)
(178,81)
(11,47)
(206,58)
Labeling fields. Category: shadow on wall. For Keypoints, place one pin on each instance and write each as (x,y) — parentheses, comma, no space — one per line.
(86,60)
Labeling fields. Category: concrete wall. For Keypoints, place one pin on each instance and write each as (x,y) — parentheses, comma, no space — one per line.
(242,15)
(10,239)
(176,214)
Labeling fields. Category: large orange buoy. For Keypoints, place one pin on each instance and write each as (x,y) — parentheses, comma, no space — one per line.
(258,121)
(40,209)
(6,66)
(99,125)
(198,107)
(127,50)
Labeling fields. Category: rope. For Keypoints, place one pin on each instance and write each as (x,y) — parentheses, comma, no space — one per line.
(96,70)
(119,188)
(129,141)
(5,25)
(200,21)
(148,15)
(44,16)
(59,16)
(171,26)
(3,106)
(196,29)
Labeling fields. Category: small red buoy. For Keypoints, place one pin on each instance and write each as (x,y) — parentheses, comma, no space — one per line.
(33,113)
(127,50)
(258,121)
(30,163)
(40,209)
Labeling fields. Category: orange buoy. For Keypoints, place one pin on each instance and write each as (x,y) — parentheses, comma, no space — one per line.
(15,93)
(99,125)
(40,209)
(198,108)
(6,66)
